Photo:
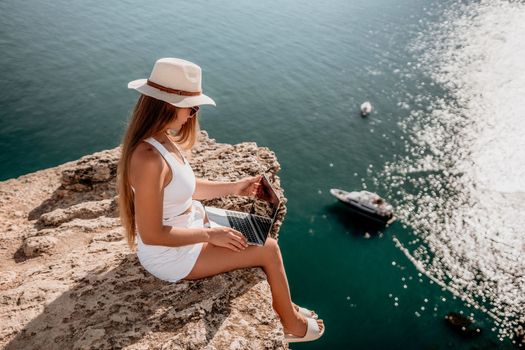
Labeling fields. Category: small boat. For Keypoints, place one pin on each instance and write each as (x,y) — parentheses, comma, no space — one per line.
(367,204)
(366,108)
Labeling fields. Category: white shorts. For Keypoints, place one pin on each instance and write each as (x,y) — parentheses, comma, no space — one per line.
(173,263)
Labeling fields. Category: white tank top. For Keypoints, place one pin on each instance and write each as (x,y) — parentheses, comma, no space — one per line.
(178,193)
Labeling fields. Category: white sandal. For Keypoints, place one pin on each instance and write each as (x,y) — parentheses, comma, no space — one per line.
(307,313)
(312,332)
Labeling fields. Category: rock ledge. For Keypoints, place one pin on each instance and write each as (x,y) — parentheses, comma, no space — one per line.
(69,281)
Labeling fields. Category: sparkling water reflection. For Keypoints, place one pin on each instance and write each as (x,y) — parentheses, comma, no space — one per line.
(461,185)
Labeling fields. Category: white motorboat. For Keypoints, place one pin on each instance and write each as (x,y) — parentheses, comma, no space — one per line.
(366,204)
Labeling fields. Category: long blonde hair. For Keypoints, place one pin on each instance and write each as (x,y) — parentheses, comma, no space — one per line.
(149,116)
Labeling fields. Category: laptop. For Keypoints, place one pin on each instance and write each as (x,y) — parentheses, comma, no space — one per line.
(255,228)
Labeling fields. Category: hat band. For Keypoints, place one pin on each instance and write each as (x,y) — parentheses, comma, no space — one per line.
(173,91)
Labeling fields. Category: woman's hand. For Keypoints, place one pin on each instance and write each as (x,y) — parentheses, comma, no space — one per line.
(227,237)
(247,186)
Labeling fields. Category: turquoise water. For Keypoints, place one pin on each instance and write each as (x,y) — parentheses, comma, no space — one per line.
(289,75)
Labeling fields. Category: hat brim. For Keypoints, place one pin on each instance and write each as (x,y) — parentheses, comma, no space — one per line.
(177,100)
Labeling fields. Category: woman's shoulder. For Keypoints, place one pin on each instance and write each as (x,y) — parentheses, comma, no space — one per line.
(146,163)
(144,152)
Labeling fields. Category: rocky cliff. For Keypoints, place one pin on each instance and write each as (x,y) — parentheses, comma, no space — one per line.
(69,281)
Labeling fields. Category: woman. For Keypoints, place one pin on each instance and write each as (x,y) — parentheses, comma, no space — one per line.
(159,197)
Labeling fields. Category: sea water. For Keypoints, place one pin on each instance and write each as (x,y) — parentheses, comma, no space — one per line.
(443,143)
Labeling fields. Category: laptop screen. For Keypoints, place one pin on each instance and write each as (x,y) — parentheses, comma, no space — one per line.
(267,193)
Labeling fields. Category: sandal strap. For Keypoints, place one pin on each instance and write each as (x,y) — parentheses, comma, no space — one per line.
(312,332)
(306,312)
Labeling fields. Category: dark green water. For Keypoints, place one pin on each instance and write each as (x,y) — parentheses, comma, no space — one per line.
(288,75)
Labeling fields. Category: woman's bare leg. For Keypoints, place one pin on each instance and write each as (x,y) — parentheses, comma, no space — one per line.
(214,260)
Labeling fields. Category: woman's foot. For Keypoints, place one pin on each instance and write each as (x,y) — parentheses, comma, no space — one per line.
(296,307)
(299,326)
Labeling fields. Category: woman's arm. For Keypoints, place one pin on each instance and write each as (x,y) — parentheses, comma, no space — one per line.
(221,236)
(206,189)
(177,236)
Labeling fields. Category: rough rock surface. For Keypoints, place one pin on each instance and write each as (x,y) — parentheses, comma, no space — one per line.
(69,281)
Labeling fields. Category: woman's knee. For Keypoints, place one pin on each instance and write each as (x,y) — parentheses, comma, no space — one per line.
(273,252)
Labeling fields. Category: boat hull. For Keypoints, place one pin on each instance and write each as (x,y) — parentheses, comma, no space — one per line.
(360,208)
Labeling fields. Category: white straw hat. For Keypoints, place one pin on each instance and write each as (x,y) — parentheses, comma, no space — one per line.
(175,81)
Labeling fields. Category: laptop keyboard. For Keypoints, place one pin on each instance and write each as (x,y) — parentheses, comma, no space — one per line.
(262,223)
(241,223)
